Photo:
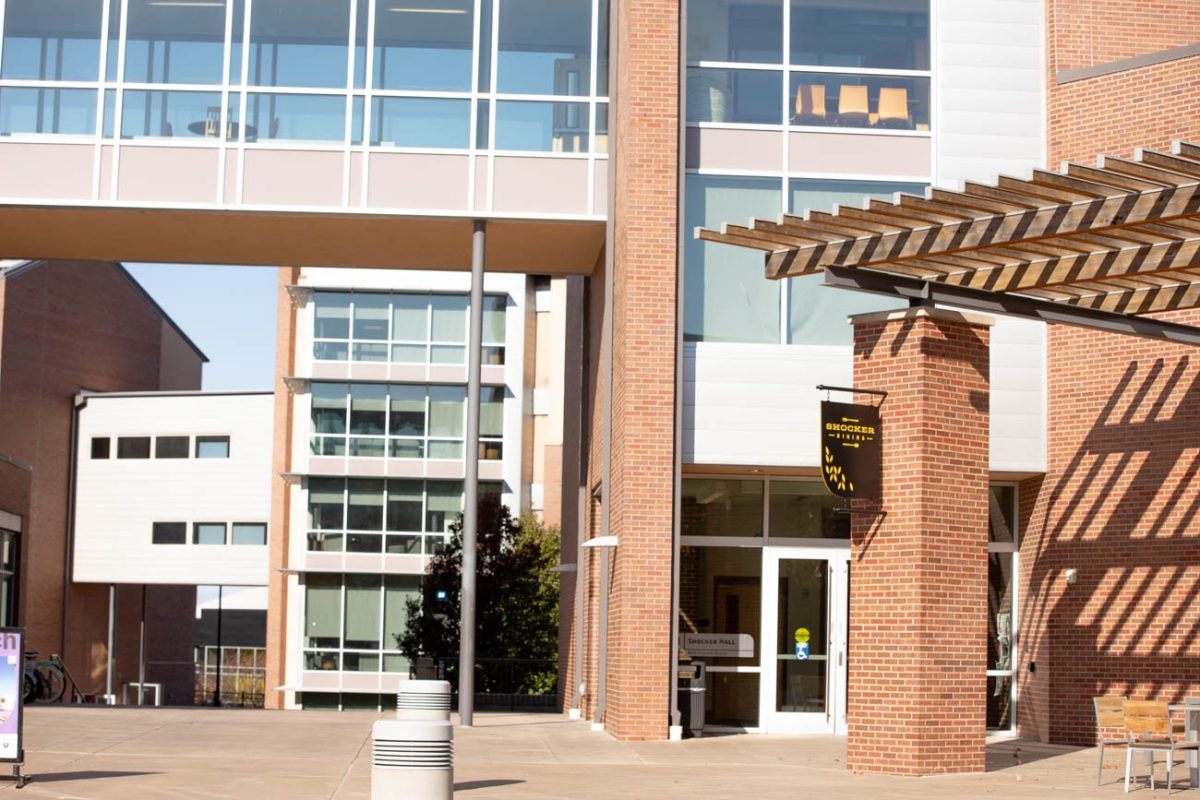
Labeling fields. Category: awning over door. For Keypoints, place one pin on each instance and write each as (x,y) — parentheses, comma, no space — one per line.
(1093,246)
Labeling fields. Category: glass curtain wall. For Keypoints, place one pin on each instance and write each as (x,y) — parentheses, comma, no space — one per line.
(353,623)
(727,296)
(378,420)
(403,327)
(399,517)
(509,75)
(809,63)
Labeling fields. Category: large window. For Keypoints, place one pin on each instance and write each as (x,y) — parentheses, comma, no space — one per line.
(401,517)
(883,48)
(426,48)
(403,327)
(375,420)
(175,42)
(354,623)
(728,297)
(337,73)
(51,40)
(1002,570)
(780,509)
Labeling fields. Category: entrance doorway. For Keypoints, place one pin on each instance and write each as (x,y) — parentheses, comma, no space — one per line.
(742,609)
(804,634)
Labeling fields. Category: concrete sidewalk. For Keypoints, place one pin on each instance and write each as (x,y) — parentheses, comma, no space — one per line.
(101,752)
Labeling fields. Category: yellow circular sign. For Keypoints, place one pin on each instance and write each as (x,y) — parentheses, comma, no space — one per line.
(802,635)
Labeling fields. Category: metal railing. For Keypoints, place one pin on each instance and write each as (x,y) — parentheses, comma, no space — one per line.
(501,684)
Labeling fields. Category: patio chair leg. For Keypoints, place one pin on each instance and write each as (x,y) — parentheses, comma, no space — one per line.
(1128,766)
(1151,754)
(1170,764)
(1100,763)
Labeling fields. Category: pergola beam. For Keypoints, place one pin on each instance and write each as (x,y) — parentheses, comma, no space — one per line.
(1063,313)
(1119,237)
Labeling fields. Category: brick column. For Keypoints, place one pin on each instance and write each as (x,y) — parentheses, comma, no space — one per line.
(918,574)
(281,461)
(644,210)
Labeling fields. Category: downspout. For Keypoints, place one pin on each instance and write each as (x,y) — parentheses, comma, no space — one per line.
(79,403)
(607,495)
(675,729)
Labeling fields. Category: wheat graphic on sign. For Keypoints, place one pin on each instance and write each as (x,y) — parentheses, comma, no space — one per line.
(834,475)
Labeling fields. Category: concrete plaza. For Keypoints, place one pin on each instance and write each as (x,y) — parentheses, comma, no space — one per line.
(100,752)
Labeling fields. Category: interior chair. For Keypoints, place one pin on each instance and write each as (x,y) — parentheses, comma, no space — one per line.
(1111,716)
(852,106)
(212,121)
(810,105)
(1148,729)
(893,108)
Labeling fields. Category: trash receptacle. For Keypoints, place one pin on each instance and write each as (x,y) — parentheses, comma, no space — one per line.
(423,700)
(412,760)
(691,698)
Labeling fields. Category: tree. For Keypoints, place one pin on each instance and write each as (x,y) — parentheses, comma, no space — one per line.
(516,594)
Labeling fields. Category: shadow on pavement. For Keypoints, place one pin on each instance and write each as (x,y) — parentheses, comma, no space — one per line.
(469,785)
(1002,755)
(83,775)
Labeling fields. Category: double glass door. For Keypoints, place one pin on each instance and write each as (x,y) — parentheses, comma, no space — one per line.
(804,636)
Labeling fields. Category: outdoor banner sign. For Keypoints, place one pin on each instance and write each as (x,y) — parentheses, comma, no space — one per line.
(851,450)
(12,665)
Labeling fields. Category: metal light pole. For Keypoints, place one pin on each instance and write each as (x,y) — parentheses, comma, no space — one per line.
(466,644)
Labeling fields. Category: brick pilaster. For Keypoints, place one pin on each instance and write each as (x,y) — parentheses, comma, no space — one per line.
(281,461)
(918,574)
(644,217)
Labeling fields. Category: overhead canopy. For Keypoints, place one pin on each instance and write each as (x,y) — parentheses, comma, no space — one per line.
(1121,237)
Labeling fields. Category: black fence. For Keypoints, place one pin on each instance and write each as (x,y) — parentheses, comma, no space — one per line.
(501,684)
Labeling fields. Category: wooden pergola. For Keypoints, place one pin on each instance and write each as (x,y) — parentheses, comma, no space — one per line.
(1092,246)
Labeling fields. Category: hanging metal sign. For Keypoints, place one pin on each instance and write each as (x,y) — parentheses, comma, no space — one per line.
(851,450)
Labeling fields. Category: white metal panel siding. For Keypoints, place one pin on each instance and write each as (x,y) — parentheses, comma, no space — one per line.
(989,73)
(117,500)
(756,404)
(1018,395)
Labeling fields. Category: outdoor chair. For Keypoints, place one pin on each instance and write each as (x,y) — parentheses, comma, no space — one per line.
(1109,714)
(1148,729)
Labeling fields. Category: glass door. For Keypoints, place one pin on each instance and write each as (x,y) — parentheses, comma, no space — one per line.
(804,610)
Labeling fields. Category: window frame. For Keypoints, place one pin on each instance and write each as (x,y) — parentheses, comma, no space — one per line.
(214,439)
(196,533)
(155,531)
(493,348)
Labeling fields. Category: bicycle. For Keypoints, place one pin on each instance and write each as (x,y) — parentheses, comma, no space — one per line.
(45,680)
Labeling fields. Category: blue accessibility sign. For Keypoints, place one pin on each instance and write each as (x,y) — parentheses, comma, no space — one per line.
(801,651)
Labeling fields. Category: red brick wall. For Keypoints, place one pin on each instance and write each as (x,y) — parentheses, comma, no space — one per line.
(1119,496)
(918,587)
(1146,107)
(1118,505)
(281,461)
(70,325)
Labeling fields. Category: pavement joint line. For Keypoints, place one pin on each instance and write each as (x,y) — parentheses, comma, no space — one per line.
(350,764)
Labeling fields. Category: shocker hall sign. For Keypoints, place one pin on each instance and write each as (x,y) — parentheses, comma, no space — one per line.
(851,449)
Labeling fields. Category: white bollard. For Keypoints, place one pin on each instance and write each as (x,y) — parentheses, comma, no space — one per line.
(412,760)
(423,700)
